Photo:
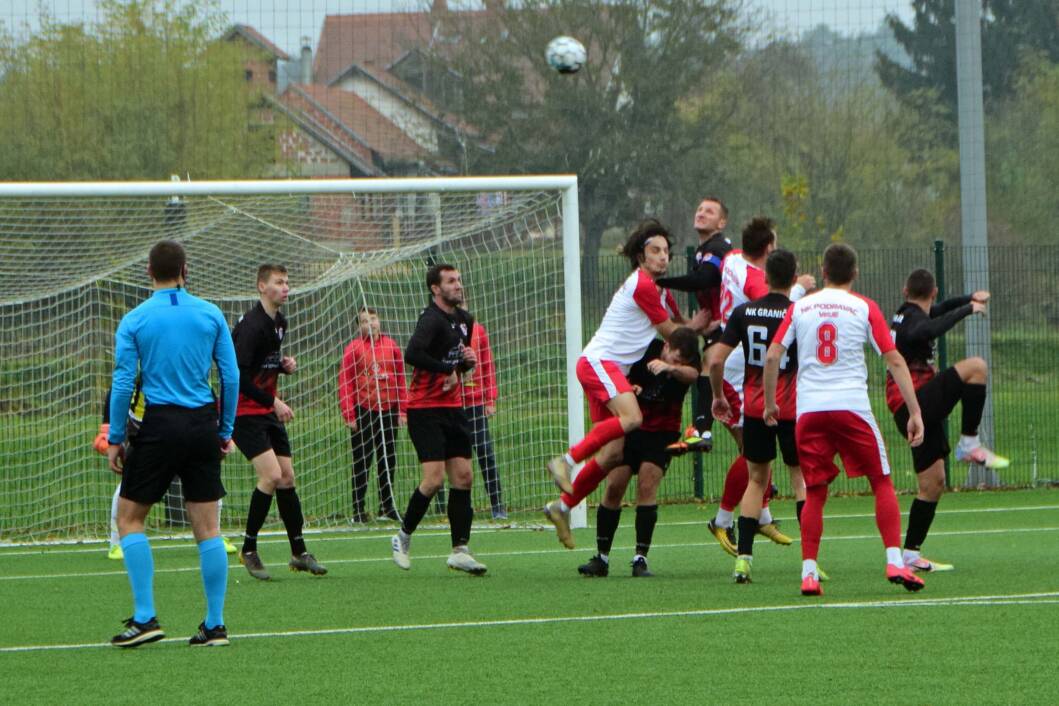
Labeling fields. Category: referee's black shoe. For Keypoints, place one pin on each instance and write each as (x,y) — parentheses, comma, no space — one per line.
(137,634)
(594,568)
(210,637)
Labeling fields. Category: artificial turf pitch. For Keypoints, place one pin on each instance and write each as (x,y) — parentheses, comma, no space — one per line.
(533,630)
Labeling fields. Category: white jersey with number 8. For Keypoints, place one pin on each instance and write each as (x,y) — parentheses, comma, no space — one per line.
(831,328)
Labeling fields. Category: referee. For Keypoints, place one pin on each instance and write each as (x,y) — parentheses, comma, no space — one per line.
(173,339)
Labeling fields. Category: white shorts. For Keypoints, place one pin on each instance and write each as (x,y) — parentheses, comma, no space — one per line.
(734,370)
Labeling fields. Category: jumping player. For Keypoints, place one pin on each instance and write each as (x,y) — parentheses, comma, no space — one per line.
(639,310)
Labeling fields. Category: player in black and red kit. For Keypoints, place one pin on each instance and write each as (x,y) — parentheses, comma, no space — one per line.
(704,280)
(260,419)
(439,352)
(753,325)
(915,326)
(661,380)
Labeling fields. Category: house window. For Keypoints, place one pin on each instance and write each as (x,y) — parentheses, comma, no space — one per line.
(272,76)
(249,75)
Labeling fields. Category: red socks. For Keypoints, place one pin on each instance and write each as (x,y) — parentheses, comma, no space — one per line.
(588,479)
(887,512)
(598,436)
(734,484)
(813,520)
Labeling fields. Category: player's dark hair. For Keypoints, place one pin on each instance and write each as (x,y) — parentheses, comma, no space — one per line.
(840,263)
(686,343)
(920,284)
(637,241)
(265,272)
(434,274)
(367,310)
(781,269)
(724,209)
(758,234)
(167,260)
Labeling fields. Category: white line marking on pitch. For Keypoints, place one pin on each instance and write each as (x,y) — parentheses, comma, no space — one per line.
(179,542)
(522,552)
(956,601)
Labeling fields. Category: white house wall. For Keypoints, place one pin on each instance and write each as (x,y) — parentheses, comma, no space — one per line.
(413,123)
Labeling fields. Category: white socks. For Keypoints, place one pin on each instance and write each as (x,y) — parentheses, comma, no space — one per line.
(765,518)
(809,569)
(969,442)
(569,459)
(724,518)
(893,556)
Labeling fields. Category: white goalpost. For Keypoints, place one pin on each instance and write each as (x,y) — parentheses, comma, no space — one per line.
(72,262)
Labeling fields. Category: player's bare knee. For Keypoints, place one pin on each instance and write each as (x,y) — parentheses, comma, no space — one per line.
(613,495)
(631,421)
(973,370)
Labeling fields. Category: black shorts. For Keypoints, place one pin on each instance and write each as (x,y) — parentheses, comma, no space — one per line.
(255,434)
(439,433)
(174,441)
(648,447)
(936,401)
(759,441)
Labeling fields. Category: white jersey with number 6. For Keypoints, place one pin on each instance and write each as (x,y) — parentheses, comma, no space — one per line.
(831,328)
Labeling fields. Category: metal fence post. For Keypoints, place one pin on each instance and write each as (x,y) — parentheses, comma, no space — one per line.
(696,462)
(943,352)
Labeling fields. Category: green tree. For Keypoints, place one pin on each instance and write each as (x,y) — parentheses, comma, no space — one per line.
(616,123)
(144,92)
(1010,30)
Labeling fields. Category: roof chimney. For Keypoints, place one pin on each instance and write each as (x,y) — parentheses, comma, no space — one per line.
(306,64)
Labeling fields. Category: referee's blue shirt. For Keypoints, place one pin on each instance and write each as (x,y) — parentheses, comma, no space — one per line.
(175,338)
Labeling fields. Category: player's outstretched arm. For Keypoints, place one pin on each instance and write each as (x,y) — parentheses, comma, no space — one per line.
(773,358)
(895,363)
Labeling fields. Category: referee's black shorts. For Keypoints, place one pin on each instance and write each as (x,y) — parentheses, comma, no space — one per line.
(648,447)
(174,441)
(439,433)
(255,434)
(937,399)
(759,441)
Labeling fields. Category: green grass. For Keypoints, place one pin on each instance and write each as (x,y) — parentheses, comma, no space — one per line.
(973,635)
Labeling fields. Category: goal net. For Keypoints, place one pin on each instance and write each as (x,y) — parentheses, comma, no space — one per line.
(73,262)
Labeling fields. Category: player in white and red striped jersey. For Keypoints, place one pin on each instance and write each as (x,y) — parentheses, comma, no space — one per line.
(743,281)
(639,310)
(830,328)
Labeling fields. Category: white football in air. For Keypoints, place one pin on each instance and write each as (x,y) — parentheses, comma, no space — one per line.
(566,55)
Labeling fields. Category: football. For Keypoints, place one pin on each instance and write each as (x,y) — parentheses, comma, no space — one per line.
(566,55)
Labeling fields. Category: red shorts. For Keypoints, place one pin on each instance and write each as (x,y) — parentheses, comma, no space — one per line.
(602,381)
(853,436)
(736,403)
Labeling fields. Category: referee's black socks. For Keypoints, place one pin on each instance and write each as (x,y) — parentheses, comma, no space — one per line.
(461,515)
(260,504)
(290,511)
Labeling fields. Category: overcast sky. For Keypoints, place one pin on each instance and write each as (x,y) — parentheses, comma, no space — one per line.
(285,21)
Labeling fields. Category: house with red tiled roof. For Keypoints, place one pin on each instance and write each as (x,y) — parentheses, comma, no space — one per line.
(353,113)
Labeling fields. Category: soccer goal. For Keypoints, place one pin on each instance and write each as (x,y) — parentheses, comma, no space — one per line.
(72,262)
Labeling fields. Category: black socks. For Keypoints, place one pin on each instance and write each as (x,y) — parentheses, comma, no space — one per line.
(260,504)
(461,515)
(606,525)
(290,511)
(920,516)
